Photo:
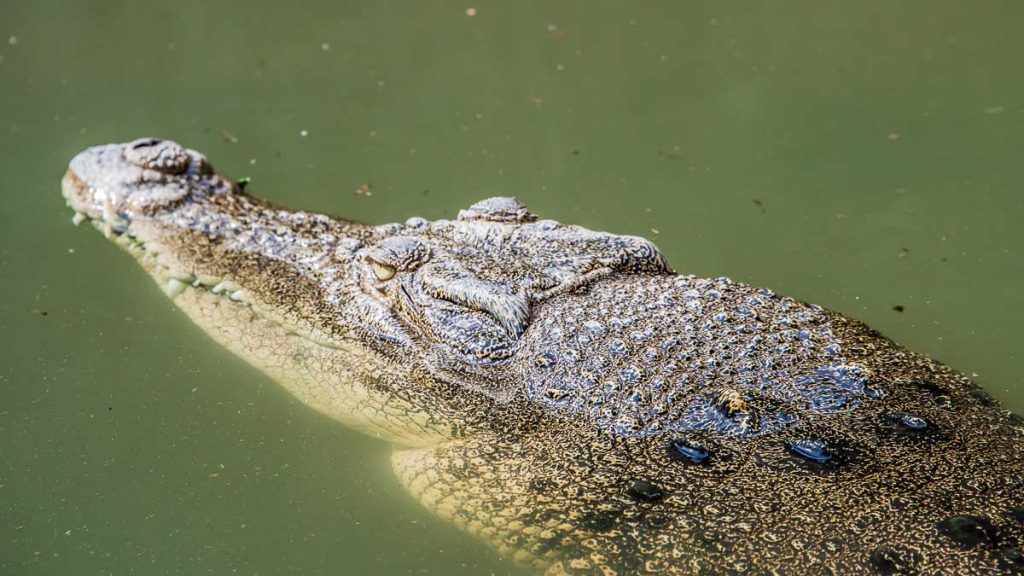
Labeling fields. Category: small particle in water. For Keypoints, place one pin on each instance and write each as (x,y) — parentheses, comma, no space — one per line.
(471,12)
(364,190)
(898,308)
(303,133)
(228,137)
(894,136)
(325,47)
(655,231)
(560,67)
(759,203)
(252,161)
(552,28)
(995,110)
(243,182)
(13,40)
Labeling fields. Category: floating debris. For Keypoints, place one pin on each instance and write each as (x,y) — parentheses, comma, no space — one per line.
(364,190)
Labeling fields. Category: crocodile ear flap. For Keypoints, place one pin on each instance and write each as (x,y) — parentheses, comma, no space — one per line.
(511,310)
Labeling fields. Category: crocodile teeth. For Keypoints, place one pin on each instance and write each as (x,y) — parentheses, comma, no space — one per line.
(115,221)
(206,280)
(174,287)
(225,286)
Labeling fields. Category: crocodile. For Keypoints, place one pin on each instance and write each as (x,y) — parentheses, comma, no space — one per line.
(566,396)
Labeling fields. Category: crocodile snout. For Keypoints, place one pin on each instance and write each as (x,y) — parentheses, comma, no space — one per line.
(114,183)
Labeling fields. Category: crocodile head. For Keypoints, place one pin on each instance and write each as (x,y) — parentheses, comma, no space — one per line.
(419,317)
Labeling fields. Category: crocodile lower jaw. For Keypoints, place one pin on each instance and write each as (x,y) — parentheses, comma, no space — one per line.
(175,282)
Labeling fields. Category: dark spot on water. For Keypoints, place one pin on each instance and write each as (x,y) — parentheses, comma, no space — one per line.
(600,520)
(645,491)
(575,152)
(969,531)
(898,308)
(685,450)
(810,449)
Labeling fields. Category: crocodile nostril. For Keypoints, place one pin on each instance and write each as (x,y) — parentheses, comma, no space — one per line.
(160,155)
(143,143)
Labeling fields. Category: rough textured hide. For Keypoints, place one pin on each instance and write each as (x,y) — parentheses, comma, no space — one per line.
(564,395)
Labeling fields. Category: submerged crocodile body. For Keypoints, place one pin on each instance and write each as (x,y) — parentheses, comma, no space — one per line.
(564,395)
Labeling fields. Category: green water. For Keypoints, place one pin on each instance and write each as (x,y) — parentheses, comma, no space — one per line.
(861,156)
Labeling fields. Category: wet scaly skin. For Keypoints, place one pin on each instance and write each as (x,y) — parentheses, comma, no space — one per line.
(565,396)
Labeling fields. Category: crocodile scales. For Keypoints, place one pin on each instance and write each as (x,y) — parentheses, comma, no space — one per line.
(564,395)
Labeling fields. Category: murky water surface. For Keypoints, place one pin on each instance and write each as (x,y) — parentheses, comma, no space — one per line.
(865,156)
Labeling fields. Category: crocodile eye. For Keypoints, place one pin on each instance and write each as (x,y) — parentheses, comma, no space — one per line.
(383,272)
(396,254)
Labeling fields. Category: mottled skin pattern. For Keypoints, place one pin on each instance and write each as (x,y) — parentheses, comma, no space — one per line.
(563,395)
